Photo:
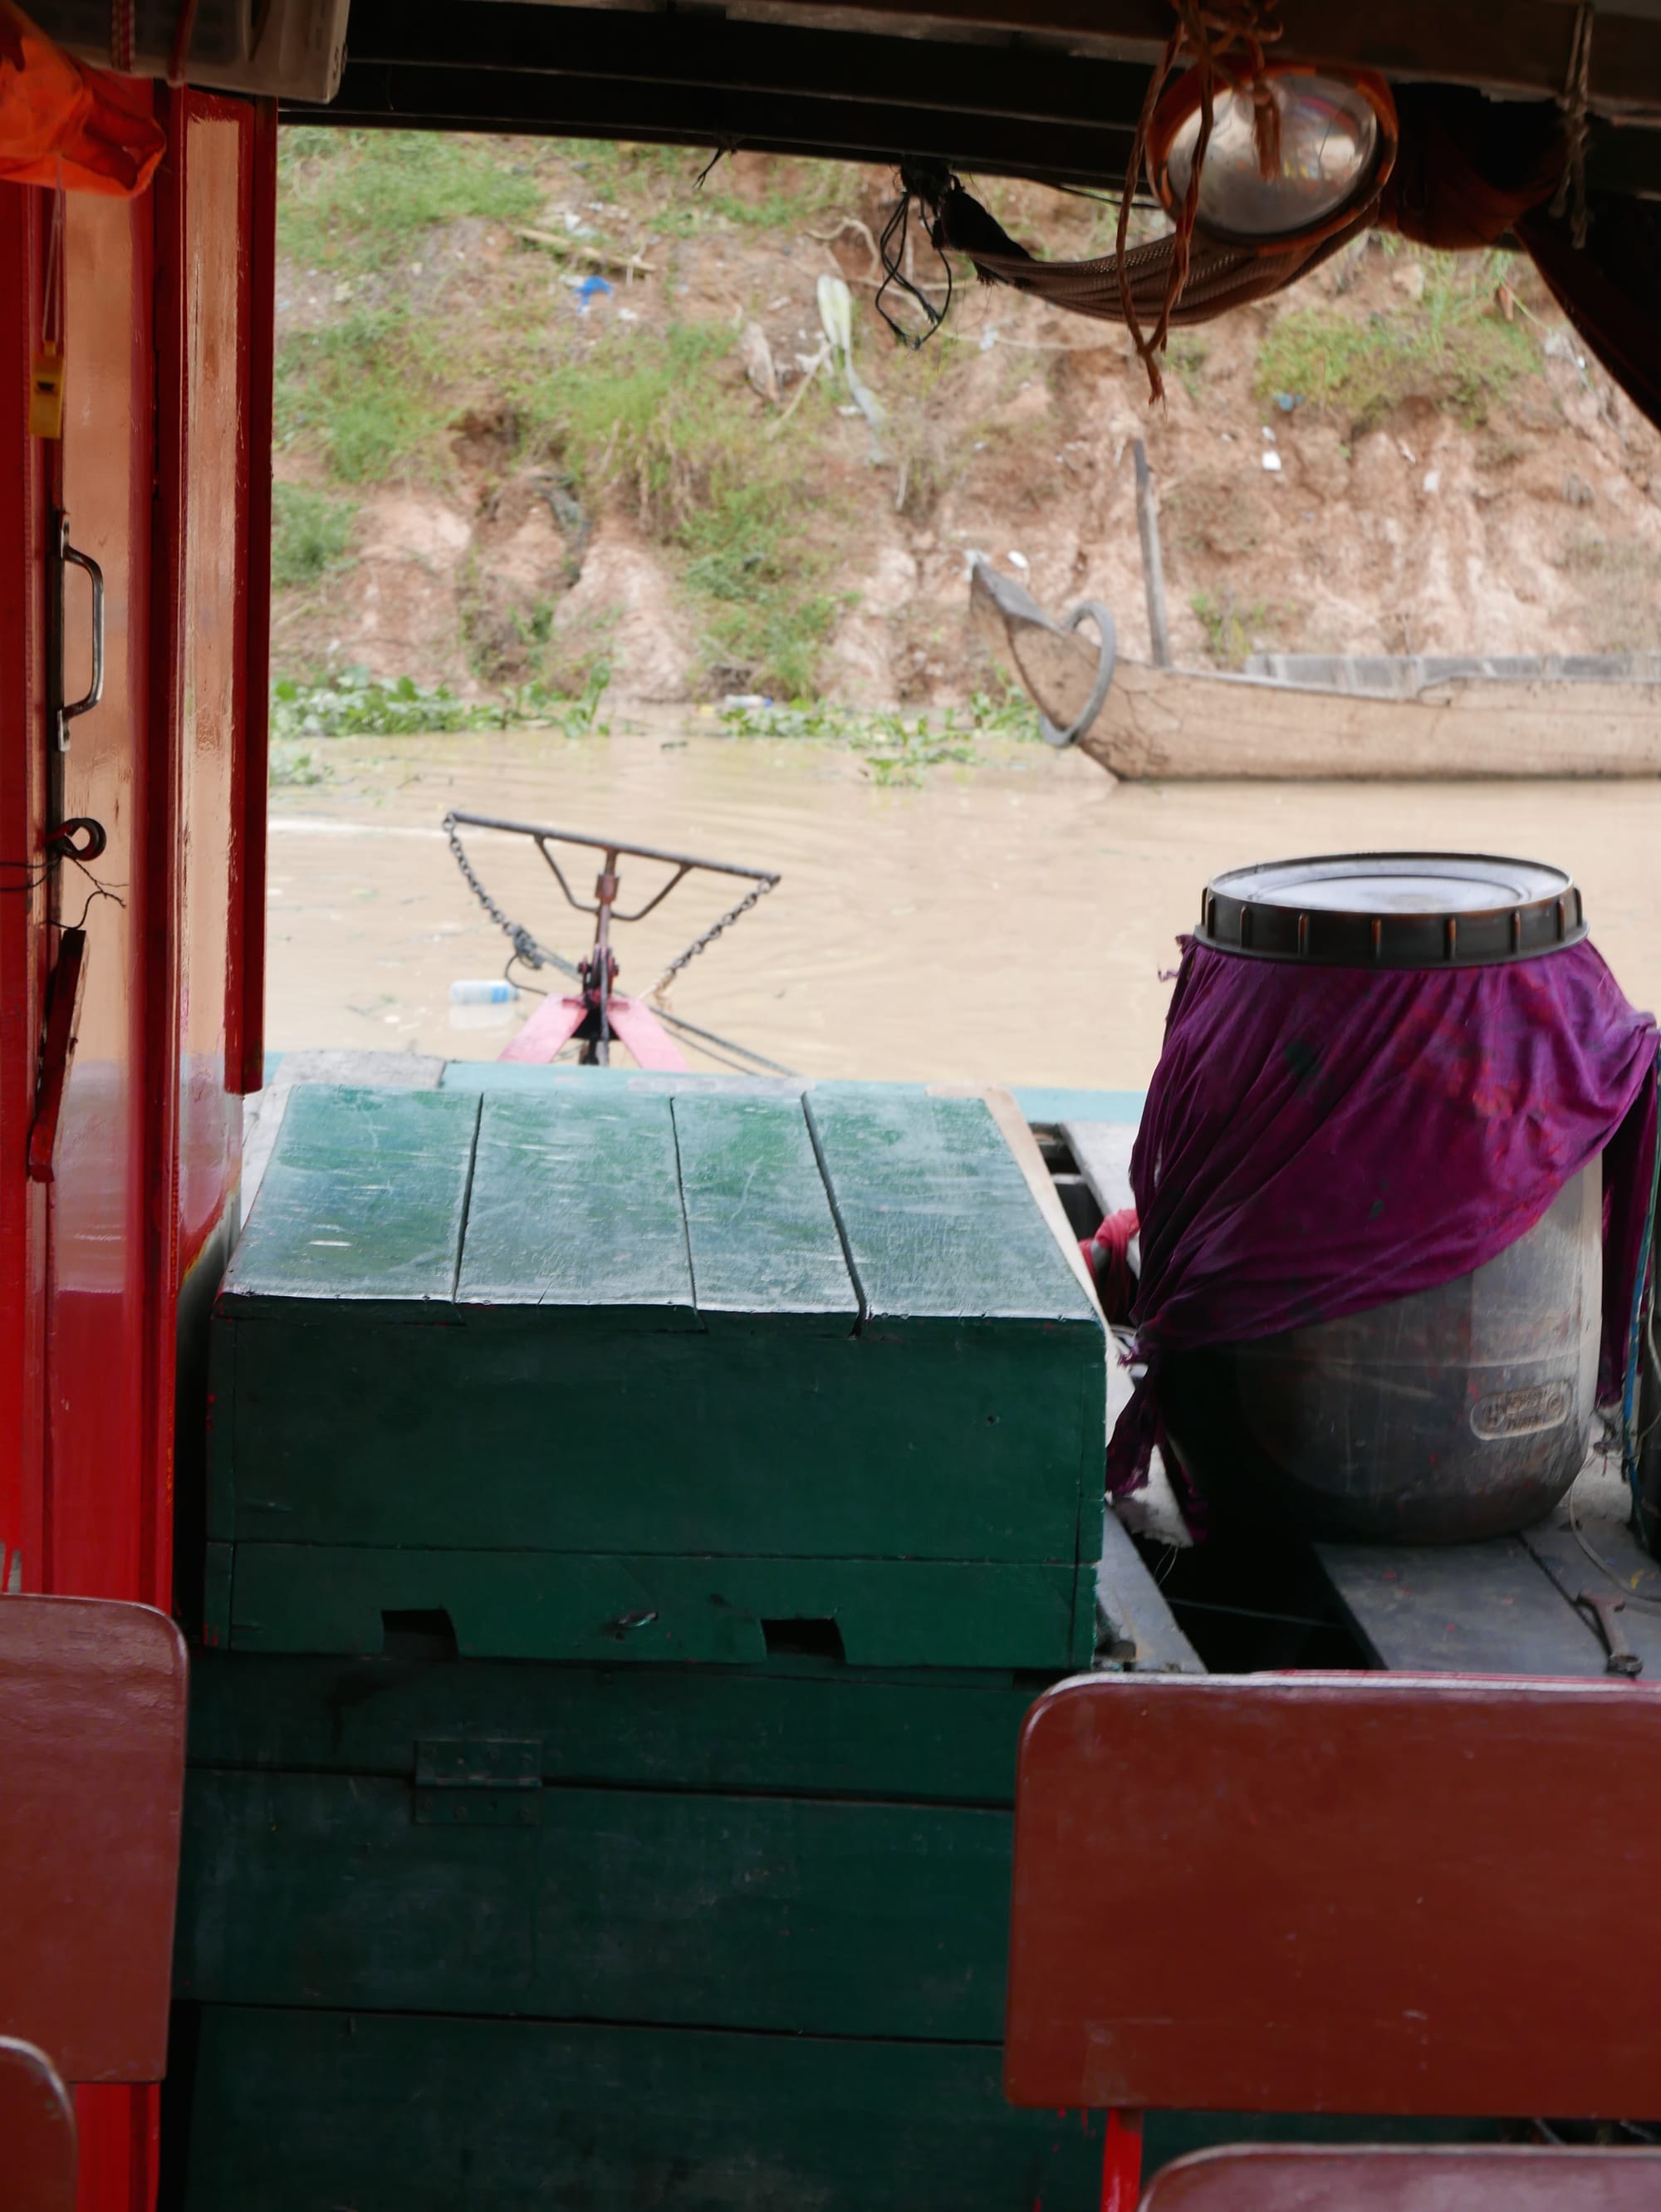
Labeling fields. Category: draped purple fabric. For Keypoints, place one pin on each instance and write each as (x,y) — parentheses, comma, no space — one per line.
(1318,1140)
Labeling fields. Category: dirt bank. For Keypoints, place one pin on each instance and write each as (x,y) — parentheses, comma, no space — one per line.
(491,480)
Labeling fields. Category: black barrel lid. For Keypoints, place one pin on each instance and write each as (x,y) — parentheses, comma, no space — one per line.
(1394,910)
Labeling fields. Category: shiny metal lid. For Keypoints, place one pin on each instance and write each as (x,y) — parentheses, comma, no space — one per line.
(1394,910)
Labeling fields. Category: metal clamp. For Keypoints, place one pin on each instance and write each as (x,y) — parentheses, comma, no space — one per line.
(71,707)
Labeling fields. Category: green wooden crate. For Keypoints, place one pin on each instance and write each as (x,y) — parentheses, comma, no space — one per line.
(609,1374)
(465,1892)
(297,2112)
(807,1848)
(797,1725)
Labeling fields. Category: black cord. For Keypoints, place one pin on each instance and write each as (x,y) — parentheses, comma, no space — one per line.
(726,146)
(927,183)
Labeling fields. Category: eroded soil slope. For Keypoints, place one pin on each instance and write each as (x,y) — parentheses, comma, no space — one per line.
(497,472)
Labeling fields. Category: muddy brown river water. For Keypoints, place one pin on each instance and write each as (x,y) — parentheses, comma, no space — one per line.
(1007,922)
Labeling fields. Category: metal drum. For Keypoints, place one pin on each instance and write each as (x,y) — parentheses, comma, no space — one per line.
(1462,1412)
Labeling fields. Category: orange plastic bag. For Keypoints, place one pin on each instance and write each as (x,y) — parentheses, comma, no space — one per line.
(64,122)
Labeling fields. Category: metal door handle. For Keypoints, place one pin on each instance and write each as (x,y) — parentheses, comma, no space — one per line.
(71,707)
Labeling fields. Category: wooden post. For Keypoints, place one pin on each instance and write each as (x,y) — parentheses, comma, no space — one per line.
(1153,566)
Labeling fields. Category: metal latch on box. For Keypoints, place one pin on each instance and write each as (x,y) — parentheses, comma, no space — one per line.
(479,1782)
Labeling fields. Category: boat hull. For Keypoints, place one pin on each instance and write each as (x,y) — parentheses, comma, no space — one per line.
(1184,725)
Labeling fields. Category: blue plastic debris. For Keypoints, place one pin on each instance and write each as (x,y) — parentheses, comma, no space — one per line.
(590,288)
(1286,401)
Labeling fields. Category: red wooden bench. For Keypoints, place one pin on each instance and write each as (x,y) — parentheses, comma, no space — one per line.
(1308,2177)
(1352,1894)
(92,1768)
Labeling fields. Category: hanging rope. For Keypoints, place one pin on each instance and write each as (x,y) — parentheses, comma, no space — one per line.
(1224,40)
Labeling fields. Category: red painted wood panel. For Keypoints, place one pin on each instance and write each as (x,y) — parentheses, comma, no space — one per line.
(244,1013)
(1329,1894)
(100,1507)
(204,210)
(23,938)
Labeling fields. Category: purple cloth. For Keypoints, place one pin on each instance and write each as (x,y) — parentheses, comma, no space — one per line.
(1319,1140)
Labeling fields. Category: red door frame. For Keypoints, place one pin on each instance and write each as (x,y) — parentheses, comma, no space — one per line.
(23,238)
(181,1118)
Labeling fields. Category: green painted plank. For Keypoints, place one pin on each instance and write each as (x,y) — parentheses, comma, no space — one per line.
(216,1593)
(963,1444)
(801,1915)
(566,1606)
(363,1199)
(937,1215)
(221,1457)
(298,2112)
(576,1210)
(764,1243)
(797,1724)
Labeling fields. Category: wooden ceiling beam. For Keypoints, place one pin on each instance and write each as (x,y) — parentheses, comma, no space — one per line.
(374,94)
(1516,47)
(709,55)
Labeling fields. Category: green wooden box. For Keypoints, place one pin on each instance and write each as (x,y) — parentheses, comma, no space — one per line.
(807,1848)
(311,2112)
(600,1375)
(514,1933)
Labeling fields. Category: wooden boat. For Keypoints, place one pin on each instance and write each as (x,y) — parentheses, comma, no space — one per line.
(1445,720)
(1190,725)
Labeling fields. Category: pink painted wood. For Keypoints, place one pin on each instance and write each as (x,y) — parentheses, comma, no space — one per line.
(37,2132)
(1306,2177)
(91,1774)
(555,1023)
(639,1029)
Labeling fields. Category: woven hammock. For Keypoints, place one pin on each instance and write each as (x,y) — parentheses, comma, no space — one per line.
(1219,276)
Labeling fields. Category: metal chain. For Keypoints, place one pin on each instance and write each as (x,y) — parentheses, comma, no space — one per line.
(526,946)
(537,955)
(702,943)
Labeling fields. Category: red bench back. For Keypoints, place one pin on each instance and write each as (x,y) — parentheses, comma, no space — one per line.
(1336,1893)
(1305,2179)
(37,2132)
(92,1770)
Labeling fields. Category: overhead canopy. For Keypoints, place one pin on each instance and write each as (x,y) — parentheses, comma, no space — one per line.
(1045,88)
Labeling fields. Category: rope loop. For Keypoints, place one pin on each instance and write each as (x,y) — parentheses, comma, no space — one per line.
(1225,41)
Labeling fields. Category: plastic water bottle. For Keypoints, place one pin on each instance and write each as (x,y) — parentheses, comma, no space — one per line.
(496,993)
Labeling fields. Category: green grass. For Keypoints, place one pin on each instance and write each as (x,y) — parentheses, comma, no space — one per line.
(1450,348)
(355,704)
(660,424)
(811,188)
(369,389)
(1188,355)
(1229,631)
(363,199)
(310,534)
(896,748)
(611,170)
